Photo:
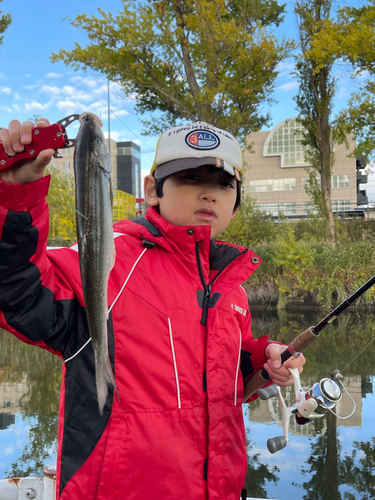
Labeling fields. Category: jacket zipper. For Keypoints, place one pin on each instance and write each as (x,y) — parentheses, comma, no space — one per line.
(207,286)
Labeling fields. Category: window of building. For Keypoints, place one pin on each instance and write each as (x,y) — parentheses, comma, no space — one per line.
(340,205)
(340,181)
(305,181)
(337,181)
(268,185)
(307,208)
(285,141)
(136,177)
(276,209)
(66,166)
(128,151)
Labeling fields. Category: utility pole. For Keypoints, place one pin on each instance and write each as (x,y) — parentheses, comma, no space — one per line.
(109,123)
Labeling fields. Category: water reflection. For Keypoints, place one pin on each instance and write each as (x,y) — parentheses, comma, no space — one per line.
(30,381)
(327,459)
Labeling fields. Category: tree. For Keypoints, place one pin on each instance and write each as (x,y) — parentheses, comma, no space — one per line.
(214,61)
(5,20)
(314,99)
(250,227)
(351,37)
(62,221)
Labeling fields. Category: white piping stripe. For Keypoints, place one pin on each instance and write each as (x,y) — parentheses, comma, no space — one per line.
(237,371)
(175,364)
(109,310)
(127,279)
(79,350)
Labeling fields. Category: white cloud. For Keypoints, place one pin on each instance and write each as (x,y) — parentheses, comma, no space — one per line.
(54,75)
(286,66)
(89,81)
(286,87)
(7,109)
(30,87)
(117,135)
(68,107)
(8,450)
(3,77)
(35,106)
(342,91)
(361,74)
(120,112)
(48,89)
(6,90)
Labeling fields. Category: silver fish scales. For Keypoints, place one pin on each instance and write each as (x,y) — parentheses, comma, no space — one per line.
(92,169)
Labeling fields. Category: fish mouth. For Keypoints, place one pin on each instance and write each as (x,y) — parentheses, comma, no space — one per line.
(206,214)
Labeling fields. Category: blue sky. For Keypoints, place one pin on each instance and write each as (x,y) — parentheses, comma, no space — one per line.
(30,84)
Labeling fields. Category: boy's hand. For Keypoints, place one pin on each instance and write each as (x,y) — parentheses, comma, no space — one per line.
(13,140)
(279,373)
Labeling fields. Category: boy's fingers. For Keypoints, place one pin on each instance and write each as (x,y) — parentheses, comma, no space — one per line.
(41,161)
(43,122)
(14,135)
(273,353)
(26,132)
(7,144)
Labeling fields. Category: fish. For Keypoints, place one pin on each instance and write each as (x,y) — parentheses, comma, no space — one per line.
(96,249)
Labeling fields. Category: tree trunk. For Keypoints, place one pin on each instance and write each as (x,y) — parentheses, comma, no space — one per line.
(326,158)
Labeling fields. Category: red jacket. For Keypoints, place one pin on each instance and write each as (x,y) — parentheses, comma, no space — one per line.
(179,326)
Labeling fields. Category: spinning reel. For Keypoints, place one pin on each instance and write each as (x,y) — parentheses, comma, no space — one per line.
(320,399)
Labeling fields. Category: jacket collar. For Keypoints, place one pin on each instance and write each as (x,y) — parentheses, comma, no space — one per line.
(214,255)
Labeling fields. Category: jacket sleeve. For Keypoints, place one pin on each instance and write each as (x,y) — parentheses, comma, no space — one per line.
(37,302)
(252,352)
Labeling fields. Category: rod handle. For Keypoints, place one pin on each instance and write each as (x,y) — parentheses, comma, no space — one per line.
(298,345)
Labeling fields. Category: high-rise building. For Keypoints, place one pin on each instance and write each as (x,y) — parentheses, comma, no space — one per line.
(126,165)
(128,156)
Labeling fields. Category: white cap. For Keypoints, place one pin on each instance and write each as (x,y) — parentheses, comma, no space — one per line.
(191,146)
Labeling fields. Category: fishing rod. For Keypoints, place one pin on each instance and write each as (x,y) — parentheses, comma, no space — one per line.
(323,396)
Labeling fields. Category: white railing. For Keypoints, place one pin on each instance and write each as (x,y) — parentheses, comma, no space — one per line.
(30,488)
(33,488)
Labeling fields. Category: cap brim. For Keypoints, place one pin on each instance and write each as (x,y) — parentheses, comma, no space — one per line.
(174,166)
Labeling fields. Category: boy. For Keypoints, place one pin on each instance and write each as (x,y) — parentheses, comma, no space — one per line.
(178,330)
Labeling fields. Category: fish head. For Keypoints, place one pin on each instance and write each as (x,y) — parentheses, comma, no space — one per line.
(90,116)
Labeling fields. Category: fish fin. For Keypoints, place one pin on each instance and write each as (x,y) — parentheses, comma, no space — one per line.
(104,376)
(113,258)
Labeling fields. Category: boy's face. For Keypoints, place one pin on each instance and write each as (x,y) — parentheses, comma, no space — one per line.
(199,196)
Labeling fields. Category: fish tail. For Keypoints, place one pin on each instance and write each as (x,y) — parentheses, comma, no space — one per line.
(104,376)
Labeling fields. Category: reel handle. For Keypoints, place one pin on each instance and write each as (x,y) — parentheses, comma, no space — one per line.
(297,346)
(276,444)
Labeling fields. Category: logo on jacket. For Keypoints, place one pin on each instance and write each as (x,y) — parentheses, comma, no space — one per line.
(239,309)
(202,139)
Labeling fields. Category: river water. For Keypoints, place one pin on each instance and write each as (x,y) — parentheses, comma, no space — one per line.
(326,459)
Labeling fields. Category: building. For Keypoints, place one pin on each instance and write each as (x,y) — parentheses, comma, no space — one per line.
(126,165)
(128,155)
(276,175)
(12,397)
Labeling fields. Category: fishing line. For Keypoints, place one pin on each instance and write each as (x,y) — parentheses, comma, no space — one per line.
(360,352)
(79,213)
